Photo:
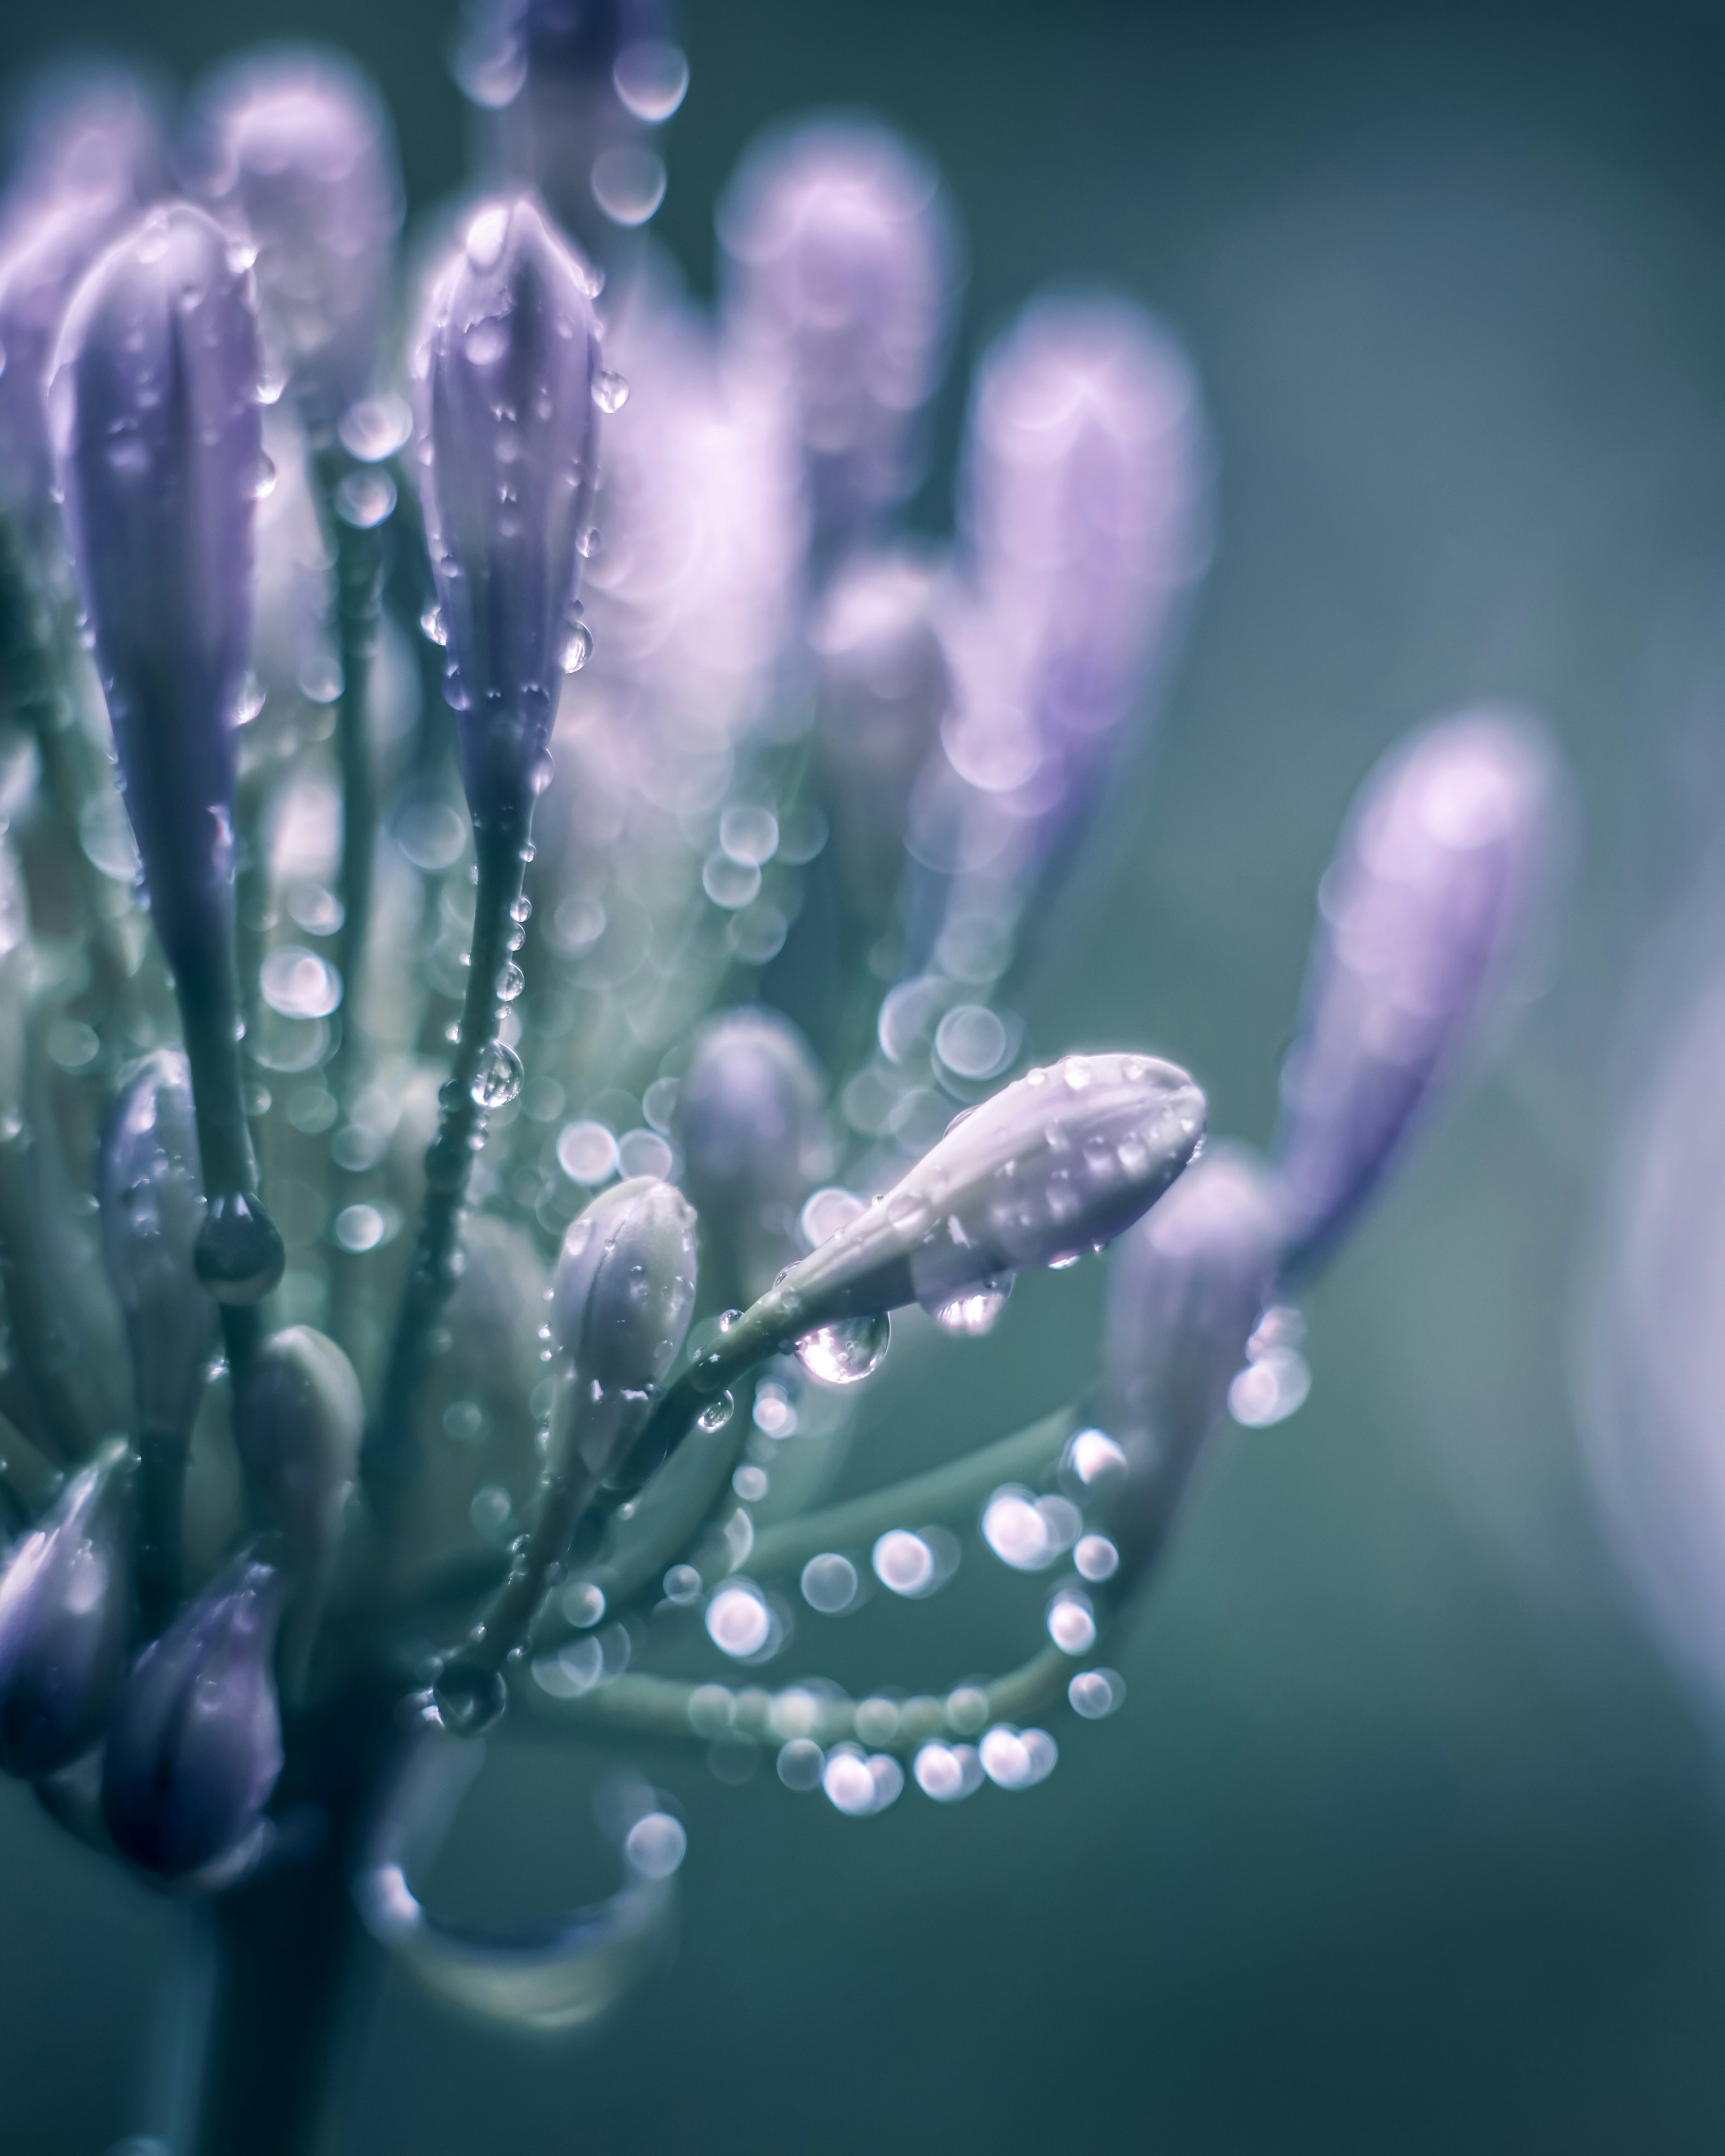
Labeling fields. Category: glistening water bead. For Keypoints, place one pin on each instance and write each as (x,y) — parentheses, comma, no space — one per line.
(847,1351)
(498,1079)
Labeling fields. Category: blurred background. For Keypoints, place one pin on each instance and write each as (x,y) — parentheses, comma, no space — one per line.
(1407,1837)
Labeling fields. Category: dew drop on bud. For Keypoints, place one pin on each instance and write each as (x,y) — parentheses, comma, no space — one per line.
(717,1413)
(847,1351)
(522,911)
(469,1699)
(263,477)
(510,983)
(577,649)
(590,543)
(968,1315)
(433,627)
(498,1079)
(610,392)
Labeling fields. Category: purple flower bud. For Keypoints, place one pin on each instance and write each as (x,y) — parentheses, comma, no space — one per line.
(95,137)
(1084,518)
(66,1610)
(753,1136)
(504,378)
(1433,887)
(624,1285)
(153,412)
(298,1439)
(883,685)
(194,1739)
(1057,1164)
(841,257)
(293,153)
(150,1195)
(1186,1285)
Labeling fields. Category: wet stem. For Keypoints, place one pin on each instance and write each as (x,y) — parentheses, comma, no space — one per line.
(387,1458)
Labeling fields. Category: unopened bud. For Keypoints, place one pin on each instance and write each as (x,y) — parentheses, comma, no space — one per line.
(298,1439)
(621,1299)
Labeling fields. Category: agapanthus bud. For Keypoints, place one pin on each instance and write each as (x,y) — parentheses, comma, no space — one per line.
(293,153)
(298,1439)
(153,411)
(753,1137)
(1186,1285)
(1432,888)
(1060,1160)
(150,1195)
(841,257)
(505,378)
(66,1610)
(624,1286)
(194,1739)
(1085,519)
(883,686)
(94,135)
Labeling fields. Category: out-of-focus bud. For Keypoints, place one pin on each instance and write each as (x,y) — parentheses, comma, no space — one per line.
(95,135)
(153,410)
(883,686)
(841,258)
(1187,1286)
(151,1196)
(1057,1164)
(505,379)
(754,1141)
(194,1739)
(1433,885)
(1085,517)
(298,1439)
(295,154)
(66,1610)
(574,84)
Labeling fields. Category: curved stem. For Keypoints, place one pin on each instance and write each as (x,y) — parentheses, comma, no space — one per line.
(359,581)
(161,1484)
(386,1458)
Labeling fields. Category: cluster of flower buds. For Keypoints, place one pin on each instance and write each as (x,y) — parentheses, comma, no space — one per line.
(406,1136)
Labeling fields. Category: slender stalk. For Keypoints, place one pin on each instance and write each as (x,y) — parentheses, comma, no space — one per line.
(359,582)
(162,1484)
(386,1457)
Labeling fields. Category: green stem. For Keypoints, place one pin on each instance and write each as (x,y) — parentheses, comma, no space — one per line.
(359,579)
(161,1485)
(386,1458)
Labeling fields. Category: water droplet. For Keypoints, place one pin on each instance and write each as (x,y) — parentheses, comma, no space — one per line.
(738,1622)
(586,1152)
(977,1311)
(486,340)
(486,237)
(651,77)
(717,1413)
(1094,1693)
(469,1699)
(682,1584)
(628,183)
(903,1561)
(829,1584)
(364,499)
(359,1228)
(375,428)
(800,1764)
(1017,1759)
(582,1602)
(576,647)
(1092,1455)
(590,543)
(498,1078)
(297,983)
(270,385)
(510,983)
(433,626)
(1072,1623)
(948,1772)
(972,1041)
(263,477)
(239,1255)
(1096,1557)
(655,1845)
(610,392)
(1269,1389)
(828,1211)
(847,1351)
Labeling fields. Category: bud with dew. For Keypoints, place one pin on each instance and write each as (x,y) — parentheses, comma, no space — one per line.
(153,410)
(1186,1285)
(65,1611)
(294,154)
(752,1133)
(621,1299)
(1421,914)
(840,259)
(194,1738)
(298,1440)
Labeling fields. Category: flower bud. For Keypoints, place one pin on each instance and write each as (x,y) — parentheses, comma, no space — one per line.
(150,1196)
(298,1439)
(504,377)
(65,1609)
(1057,1164)
(1432,891)
(754,1141)
(1186,1285)
(94,135)
(152,409)
(294,154)
(841,257)
(624,1287)
(194,1740)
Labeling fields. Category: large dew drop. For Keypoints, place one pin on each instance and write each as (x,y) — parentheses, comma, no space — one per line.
(498,1079)
(968,1315)
(846,1351)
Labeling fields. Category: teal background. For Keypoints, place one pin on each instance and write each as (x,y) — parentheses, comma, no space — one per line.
(1404,1839)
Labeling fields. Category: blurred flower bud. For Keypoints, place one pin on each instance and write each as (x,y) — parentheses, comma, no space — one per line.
(194,1740)
(754,1141)
(150,1196)
(841,257)
(1054,1164)
(293,153)
(1186,1285)
(94,136)
(1432,889)
(66,1610)
(505,376)
(298,1439)
(152,407)
(883,687)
